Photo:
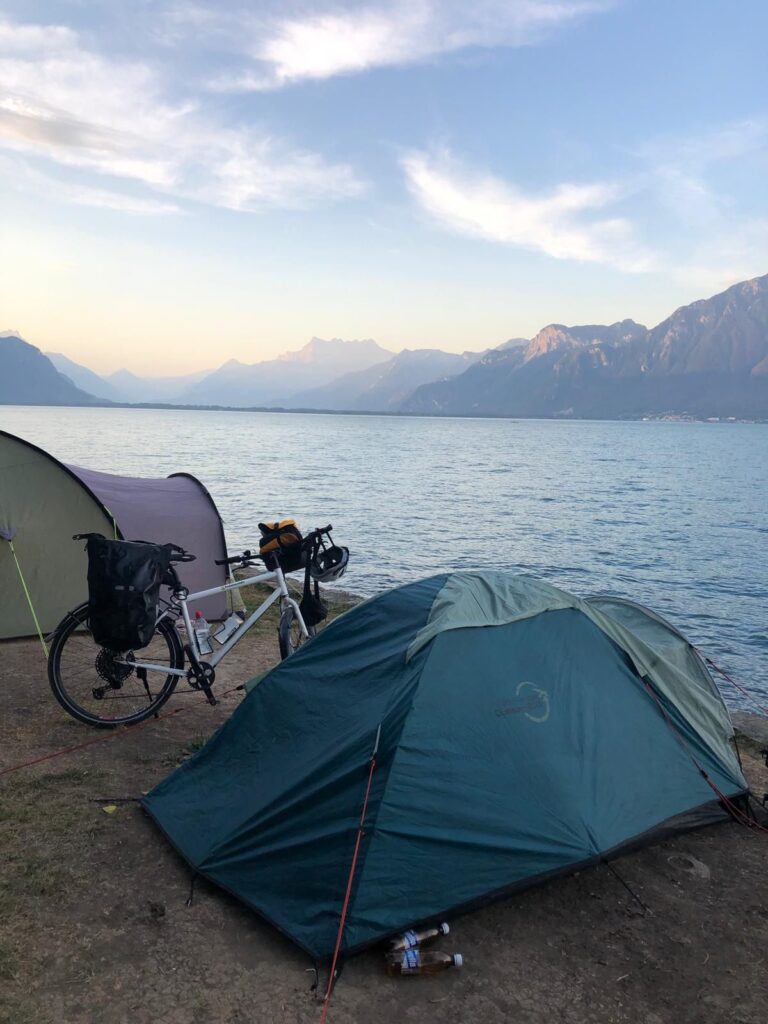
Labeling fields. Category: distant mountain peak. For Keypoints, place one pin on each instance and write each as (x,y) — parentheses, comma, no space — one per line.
(558,336)
(271,381)
(360,350)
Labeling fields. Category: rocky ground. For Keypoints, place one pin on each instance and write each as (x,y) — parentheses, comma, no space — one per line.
(94,926)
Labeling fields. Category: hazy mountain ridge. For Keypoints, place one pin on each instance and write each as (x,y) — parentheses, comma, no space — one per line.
(29,378)
(85,379)
(136,388)
(709,358)
(269,382)
(385,386)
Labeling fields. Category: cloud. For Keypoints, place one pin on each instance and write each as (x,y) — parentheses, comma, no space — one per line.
(561,223)
(20,175)
(688,177)
(60,101)
(35,39)
(290,50)
(698,151)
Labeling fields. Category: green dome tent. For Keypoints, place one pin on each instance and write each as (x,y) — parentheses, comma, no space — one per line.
(521,733)
(44,502)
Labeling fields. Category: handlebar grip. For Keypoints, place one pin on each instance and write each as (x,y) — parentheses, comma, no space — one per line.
(246,556)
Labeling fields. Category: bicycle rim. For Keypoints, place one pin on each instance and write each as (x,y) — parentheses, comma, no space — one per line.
(93,686)
(289,632)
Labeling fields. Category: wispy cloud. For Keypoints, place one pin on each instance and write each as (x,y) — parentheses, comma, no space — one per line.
(60,100)
(684,174)
(336,42)
(25,178)
(562,223)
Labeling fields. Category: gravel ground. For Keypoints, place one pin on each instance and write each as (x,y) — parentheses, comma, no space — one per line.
(94,926)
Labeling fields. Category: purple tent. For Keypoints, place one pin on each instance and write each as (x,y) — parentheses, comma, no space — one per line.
(43,572)
(177,509)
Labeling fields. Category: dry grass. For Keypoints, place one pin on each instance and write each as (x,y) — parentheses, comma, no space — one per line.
(94,927)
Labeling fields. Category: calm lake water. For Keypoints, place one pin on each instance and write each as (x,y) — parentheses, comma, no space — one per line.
(673,515)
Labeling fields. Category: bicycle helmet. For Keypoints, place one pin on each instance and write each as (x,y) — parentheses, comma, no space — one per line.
(329,563)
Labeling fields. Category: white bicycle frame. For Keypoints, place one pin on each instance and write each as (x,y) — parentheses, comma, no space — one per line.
(280,593)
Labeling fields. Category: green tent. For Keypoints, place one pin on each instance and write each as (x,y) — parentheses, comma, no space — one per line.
(521,733)
(44,502)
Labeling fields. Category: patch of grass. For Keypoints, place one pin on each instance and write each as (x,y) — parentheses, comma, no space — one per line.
(195,744)
(173,760)
(14,1010)
(42,826)
(337,602)
(52,779)
(8,962)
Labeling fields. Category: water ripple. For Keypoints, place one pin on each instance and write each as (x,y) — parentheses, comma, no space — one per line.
(672,515)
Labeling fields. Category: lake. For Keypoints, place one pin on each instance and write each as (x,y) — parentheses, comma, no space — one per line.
(673,515)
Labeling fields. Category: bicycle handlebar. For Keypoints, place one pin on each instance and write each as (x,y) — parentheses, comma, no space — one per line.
(180,555)
(320,529)
(247,556)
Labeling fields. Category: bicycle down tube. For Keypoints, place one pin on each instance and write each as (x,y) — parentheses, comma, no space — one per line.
(281,591)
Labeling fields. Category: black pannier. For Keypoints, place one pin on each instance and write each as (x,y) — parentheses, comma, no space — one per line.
(124,580)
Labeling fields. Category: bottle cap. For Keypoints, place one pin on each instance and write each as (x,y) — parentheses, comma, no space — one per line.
(458,960)
(445,928)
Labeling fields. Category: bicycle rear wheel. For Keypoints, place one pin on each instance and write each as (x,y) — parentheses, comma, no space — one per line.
(93,686)
(289,632)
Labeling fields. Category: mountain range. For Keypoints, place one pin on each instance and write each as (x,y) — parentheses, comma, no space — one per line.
(708,359)
(274,381)
(124,386)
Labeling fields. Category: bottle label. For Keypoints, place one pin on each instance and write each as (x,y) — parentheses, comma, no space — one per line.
(411,962)
(203,643)
(410,939)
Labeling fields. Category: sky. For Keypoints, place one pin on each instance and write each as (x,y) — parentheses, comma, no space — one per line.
(182,183)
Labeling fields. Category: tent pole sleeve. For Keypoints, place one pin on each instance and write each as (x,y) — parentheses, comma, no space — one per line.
(29,600)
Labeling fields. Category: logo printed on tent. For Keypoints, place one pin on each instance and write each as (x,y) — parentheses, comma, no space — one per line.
(533,703)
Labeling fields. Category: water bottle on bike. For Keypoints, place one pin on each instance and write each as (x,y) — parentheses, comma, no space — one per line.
(202,630)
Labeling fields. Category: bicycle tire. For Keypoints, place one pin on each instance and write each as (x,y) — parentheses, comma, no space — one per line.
(74,629)
(289,633)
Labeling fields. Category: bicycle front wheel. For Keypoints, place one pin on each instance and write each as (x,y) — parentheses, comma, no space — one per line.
(94,685)
(289,632)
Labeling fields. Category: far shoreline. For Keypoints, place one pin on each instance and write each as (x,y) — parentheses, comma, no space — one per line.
(670,417)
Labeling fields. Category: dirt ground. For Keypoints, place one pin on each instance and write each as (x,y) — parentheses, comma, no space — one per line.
(94,926)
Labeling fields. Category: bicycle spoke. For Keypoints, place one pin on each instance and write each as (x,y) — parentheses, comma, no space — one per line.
(100,686)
